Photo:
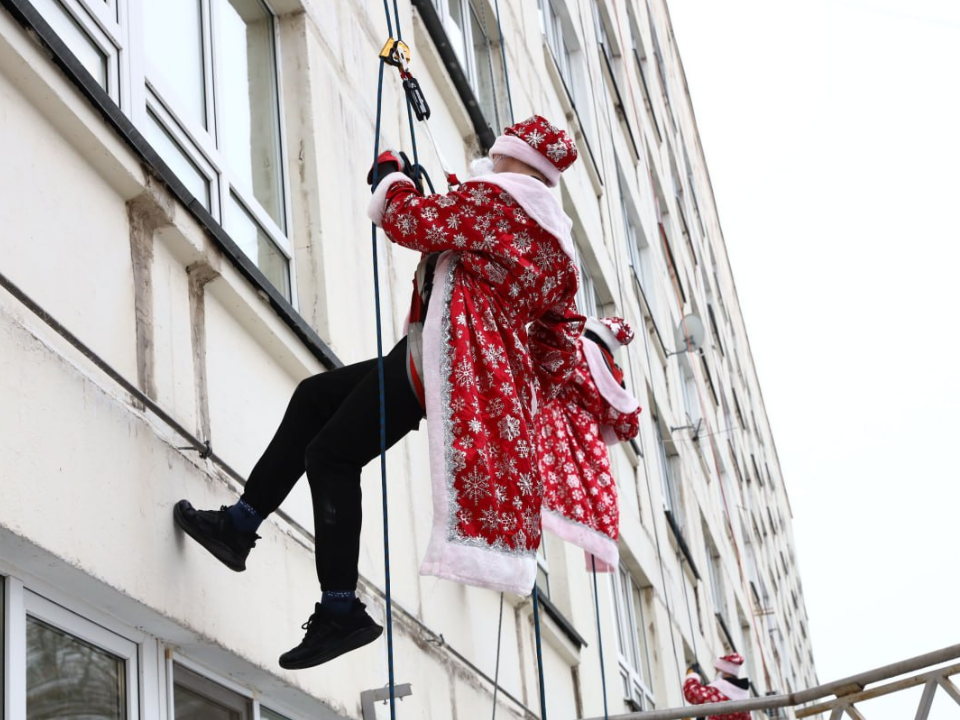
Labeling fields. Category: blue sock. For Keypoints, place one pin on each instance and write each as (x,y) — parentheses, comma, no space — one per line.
(337,602)
(244,518)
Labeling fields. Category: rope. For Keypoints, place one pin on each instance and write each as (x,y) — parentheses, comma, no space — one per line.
(596,605)
(496,671)
(380,373)
(536,627)
(382,404)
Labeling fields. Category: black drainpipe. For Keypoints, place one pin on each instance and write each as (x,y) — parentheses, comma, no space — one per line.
(431,21)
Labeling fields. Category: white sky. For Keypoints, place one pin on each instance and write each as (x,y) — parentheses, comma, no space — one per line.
(831,130)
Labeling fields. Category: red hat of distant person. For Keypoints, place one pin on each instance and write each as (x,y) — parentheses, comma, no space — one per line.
(730,664)
(613,331)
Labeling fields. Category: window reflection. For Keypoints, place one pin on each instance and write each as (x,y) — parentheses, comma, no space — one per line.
(173,40)
(69,678)
(247,88)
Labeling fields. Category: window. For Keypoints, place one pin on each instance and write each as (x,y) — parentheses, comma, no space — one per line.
(197,698)
(669,476)
(90,30)
(543,569)
(668,250)
(588,301)
(642,62)
(661,69)
(715,568)
(557,29)
(472,39)
(691,396)
(632,643)
(638,250)
(75,668)
(211,110)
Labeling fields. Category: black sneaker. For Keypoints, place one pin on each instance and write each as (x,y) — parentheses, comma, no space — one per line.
(329,636)
(215,531)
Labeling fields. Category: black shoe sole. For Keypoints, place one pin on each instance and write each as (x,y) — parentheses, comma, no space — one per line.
(354,640)
(216,548)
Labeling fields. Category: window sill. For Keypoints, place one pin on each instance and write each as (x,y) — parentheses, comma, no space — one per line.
(559,632)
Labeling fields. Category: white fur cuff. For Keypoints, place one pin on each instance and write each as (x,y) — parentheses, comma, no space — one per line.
(378,202)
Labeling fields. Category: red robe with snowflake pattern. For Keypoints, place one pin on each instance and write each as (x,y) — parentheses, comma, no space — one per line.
(720,690)
(580,496)
(500,336)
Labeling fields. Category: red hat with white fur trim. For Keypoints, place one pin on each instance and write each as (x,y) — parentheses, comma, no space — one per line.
(540,144)
(613,331)
(731,664)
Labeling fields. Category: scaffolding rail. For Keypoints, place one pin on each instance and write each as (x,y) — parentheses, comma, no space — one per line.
(847,692)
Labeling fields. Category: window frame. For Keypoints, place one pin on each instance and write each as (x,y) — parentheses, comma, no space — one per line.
(88,631)
(469,63)
(640,697)
(117,30)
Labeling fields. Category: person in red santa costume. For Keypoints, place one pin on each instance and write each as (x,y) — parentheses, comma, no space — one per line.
(728,685)
(591,411)
(493,331)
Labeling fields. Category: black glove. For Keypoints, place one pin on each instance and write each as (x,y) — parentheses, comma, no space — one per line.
(390,161)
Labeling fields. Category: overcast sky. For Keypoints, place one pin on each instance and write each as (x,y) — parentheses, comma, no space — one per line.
(831,130)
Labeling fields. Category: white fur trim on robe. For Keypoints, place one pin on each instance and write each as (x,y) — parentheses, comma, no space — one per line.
(539,203)
(445,557)
(729,689)
(611,391)
(592,541)
(609,436)
(378,203)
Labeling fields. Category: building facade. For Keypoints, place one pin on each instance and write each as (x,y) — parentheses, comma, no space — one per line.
(182,204)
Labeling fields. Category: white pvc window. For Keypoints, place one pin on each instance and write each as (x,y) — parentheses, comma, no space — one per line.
(588,301)
(197,693)
(638,250)
(199,80)
(76,668)
(669,476)
(715,568)
(633,651)
(543,568)
(691,396)
(469,28)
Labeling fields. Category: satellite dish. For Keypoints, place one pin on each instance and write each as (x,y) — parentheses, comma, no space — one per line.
(689,334)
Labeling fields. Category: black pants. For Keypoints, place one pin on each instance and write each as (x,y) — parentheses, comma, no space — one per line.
(331,429)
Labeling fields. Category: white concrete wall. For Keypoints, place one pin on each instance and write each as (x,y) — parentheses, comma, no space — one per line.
(89,476)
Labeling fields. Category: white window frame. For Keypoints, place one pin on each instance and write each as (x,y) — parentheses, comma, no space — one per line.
(148,669)
(638,250)
(469,8)
(571,61)
(691,396)
(20,602)
(717,587)
(115,28)
(669,477)
(587,299)
(632,633)
(175,658)
(543,565)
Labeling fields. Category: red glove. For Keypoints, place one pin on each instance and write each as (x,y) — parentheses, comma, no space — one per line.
(390,161)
